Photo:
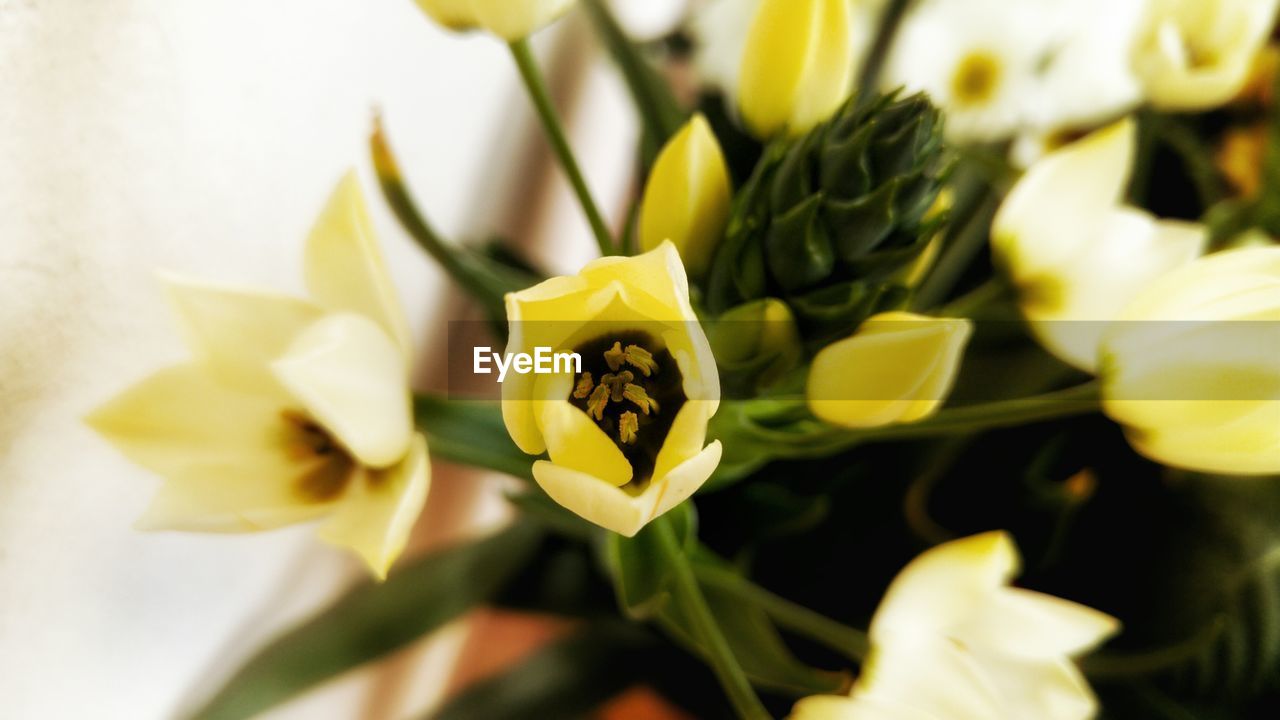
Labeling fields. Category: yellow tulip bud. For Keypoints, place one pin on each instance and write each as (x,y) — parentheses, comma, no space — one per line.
(1076,255)
(1192,370)
(292,409)
(508,19)
(953,639)
(687,197)
(1197,54)
(898,367)
(798,65)
(624,430)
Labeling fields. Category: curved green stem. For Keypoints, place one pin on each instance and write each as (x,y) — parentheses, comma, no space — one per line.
(848,641)
(541,97)
(723,663)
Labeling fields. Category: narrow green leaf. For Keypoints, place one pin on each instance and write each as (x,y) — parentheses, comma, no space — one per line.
(373,620)
(566,679)
(470,432)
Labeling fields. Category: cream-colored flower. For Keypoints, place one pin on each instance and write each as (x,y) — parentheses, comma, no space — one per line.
(686,199)
(1196,54)
(897,368)
(625,432)
(953,641)
(1192,369)
(798,64)
(291,409)
(1075,253)
(508,19)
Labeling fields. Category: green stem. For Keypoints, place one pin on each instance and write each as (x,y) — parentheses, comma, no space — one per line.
(848,641)
(890,21)
(723,663)
(970,303)
(975,207)
(541,97)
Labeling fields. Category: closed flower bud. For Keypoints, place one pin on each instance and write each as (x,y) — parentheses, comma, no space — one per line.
(1196,54)
(897,368)
(798,65)
(687,197)
(1192,370)
(755,344)
(625,431)
(508,19)
(952,639)
(1076,255)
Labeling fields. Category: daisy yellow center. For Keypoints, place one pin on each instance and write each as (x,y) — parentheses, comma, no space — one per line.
(632,389)
(328,467)
(976,78)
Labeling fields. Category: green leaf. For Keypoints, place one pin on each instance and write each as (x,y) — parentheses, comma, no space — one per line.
(752,636)
(374,620)
(470,432)
(566,679)
(485,278)
(659,111)
(639,574)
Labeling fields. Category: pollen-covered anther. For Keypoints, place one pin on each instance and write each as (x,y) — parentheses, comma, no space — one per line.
(583,389)
(628,426)
(615,356)
(599,399)
(641,359)
(637,395)
(616,383)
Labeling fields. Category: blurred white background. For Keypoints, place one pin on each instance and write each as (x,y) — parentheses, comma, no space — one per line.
(202,137)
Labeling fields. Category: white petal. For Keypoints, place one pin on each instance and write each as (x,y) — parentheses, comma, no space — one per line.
(237,332)
(376,515)
(1033,625)
(344,267)
(350,377)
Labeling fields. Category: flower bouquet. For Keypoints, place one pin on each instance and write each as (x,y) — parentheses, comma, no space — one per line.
(934,374)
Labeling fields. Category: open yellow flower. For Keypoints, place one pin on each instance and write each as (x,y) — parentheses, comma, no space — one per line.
(1192,370)
(1196,54)
(953,641)
(1075,253)
(291,409)
(798,65)
(686,199)
(898,367)
(625,432)
(508,19)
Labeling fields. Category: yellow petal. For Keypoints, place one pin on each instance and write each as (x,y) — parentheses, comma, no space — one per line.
(344,267)
(657,274)
(574,440)
(609,507)
(238,333)
(686,199)
(221,452)
(898,367)
(350,377)
(515,19)
(682,481)
(376,515)
(798,65)
(453,14)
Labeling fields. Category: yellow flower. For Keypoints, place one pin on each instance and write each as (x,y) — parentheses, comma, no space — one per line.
(291,409)
(1197,54)
(798,65)
(1076,255)
(687,197)
(897,368)
(1192,370)
(953,641)
(508,19)
(625,433)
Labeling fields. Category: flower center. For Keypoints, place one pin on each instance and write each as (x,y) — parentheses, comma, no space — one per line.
(328,465)
(976,78)
(633,390)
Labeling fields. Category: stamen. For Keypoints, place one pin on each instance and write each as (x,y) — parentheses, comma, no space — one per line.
(616,383)
(615,356)
(628,425)
(583,389)
(637,395)
(641,359)
(597,402)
